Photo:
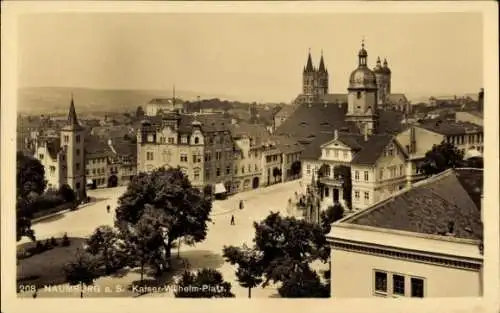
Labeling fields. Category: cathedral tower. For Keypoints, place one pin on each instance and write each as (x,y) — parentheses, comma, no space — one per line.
(309,80)
(72,141)
(362,96)
(322,78)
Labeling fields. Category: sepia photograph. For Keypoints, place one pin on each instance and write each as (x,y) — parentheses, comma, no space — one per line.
(171,154)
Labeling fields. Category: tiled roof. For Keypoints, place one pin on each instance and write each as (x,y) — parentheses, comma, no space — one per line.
(286,110)
(209,122)
(257,132)
(286,144)
(451,128)
(354,141)
(431,205)
(96,146)
(124,147)
(314,124)
(334,98)
(372,149)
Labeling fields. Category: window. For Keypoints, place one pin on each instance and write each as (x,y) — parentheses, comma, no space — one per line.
(256,167)
(196,174)
(356,175)
(93,171)
(184,139)
(398,285)
(336,153)
(366,175)
(77,138)
(149,156)
(275,157)
(218,155)
(308,168)
(367,196)
(417,287)
(327,192)
(380,282)
(356,194)
(249,168)
(66,139)
(242,170)
(87,172)
(228,170)
(207,174)
(196,140)
(184,157)
(77,166)
(40,156)
(381,173)
(77,152)
(327,152)
(401,170)
(208,156)
(162,140)
(218,172)
(196,158)
(268,158)
(345,154)
(358,95)
(150,138)
(171,140)
(235,170)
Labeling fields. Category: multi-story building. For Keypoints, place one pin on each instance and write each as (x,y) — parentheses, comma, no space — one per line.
(272,160)
(421,242)
(291,152)
(64,158)
(201,146)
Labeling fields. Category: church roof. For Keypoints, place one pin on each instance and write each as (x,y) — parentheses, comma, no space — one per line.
(314,124)
(431,205)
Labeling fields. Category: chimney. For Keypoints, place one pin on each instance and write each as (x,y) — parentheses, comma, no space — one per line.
(335,134)
(366,132)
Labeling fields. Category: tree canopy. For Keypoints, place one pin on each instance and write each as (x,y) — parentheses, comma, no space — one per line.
(205,283)
(105,244)
(82,271)
(440,158)
(249,261)
(174,205)
(286,244)
(304,283)
(30,175)
(330,215)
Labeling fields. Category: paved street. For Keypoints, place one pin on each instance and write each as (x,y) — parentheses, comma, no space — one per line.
(258,203)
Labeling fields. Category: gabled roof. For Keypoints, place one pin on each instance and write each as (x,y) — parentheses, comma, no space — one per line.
(431,205)
(286,144)
(53,146)
(372,149)
(286,110)
(352,140)
(257,132)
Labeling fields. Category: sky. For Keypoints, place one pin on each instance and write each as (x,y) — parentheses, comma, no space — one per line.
(250,57)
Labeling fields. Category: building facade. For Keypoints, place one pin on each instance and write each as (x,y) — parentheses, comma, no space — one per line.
(407,246)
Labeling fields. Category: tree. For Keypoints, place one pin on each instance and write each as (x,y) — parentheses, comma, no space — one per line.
(344,172)
(184,208)
(206,283)
(67,193)
(296,167)
(208,191)
(139,113)
(104,243)
(24,212)
(144,241)
(440,158)
(82,271)
(330,215)
(287,244)
(304,283)
(249,272)
(30,175)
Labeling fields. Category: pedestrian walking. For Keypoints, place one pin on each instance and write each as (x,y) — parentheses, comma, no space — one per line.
(232,219)
(108,208)
(241,204)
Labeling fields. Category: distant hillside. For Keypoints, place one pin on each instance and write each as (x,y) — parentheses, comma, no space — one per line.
(56,99)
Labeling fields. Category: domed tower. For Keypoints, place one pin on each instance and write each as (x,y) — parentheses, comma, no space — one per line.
(362,95)
(308,80)
(381,84)
(322,78)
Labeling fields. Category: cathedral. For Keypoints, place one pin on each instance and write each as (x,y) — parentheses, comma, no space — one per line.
(315,85)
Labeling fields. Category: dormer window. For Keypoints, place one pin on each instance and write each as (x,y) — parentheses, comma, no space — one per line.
(184,139)
(196,140)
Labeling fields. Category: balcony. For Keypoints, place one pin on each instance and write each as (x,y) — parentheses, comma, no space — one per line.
(331,181)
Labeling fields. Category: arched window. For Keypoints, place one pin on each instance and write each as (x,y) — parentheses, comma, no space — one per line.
(196,140)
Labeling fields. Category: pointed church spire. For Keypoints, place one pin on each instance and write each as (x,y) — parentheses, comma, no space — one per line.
(72,118)
(322,64)
(309,65)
